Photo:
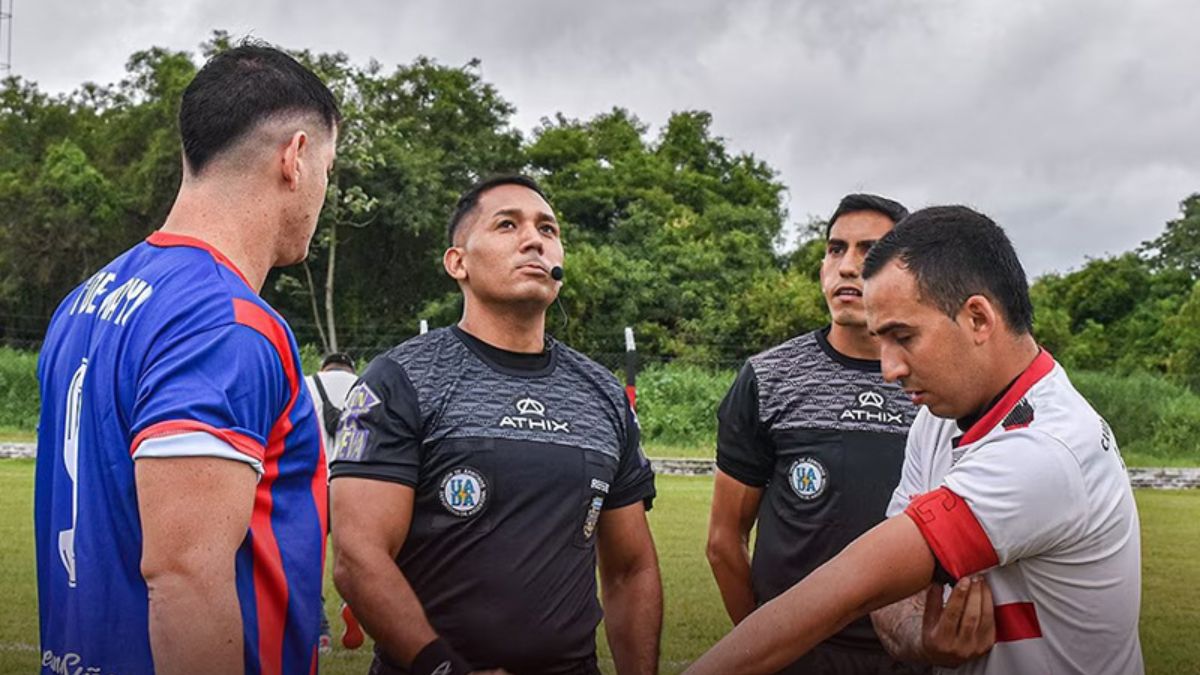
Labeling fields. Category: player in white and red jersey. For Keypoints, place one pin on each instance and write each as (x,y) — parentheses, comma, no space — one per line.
(1009,475)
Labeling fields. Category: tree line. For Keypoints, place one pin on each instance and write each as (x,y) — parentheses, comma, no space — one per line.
(667,230)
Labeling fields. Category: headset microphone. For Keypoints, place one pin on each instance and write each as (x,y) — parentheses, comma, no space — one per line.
(556,273)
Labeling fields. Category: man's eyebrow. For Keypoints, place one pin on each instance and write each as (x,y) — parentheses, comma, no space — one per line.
(835,240)
(515,213)
(889,327)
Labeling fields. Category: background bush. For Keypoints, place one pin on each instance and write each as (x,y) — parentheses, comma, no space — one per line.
(18,389)
(1156,421)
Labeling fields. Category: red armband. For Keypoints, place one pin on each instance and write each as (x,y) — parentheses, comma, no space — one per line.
(952,532)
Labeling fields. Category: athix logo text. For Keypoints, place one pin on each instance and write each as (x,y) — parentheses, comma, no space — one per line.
(531,414)
(871,399)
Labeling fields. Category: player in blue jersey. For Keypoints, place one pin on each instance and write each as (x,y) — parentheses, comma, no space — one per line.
(180,495)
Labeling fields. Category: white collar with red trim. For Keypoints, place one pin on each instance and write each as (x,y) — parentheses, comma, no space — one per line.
(1042,364)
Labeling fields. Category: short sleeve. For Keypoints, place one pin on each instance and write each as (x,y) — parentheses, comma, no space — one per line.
(744,449)
(380,431)
(1015,497)
(912,483)
(227,381)
(635,479)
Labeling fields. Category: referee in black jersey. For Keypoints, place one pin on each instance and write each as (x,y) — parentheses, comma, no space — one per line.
(809,447)
(480,470)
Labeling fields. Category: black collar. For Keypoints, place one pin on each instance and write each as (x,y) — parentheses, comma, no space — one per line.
(505,359)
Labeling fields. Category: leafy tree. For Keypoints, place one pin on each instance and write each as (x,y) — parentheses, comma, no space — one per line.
(1179,246)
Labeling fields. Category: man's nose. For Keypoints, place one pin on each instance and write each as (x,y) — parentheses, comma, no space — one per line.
(894,369)
(531,239)
(851,264)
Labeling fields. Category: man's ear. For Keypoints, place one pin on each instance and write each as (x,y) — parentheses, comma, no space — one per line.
(454,263)
(980,317)
(293,158)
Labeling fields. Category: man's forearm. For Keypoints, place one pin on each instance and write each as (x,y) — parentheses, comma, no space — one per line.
(195,624)
(899,625)
(730,563)
(633,619)
(887,564)
(384,602)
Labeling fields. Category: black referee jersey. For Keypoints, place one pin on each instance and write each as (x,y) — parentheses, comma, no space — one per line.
(513,457)
(824,435)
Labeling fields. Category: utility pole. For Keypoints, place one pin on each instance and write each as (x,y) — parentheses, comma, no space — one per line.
(6,19)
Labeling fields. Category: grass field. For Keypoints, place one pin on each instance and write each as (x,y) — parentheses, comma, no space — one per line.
(694,618)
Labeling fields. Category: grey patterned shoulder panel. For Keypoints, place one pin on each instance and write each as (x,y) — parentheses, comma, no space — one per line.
(577,403)
(801,387)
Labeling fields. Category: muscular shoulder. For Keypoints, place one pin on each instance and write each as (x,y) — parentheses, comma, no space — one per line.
(780,362)
(429,360)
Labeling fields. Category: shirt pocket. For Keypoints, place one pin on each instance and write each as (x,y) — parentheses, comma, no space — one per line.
(459,489)
(809,479)
(599,471)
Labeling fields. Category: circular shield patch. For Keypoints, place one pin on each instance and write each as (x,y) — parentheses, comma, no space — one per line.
(463,491)
(808,478)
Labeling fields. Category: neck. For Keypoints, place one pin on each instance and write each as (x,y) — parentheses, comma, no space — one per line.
(854,341)
(1009,360)
(233,226)
(516,330)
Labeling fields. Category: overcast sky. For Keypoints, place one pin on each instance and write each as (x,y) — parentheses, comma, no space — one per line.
(1074,123)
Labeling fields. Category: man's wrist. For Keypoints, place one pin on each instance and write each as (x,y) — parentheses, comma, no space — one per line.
(440,658)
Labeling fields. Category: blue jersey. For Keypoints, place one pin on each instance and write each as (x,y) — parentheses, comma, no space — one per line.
(169,339)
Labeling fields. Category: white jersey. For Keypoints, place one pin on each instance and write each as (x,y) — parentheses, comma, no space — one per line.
(1036,494)
(337,385)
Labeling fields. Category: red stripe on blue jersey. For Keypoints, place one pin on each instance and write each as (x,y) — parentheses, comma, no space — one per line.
(240,442)
(270,579)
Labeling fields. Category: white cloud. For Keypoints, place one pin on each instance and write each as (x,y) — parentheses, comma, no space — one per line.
(1070,122)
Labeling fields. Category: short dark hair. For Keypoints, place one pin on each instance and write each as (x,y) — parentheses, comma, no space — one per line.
(865,202)
(954,252)
(470,199)
(337,359)
(238,89)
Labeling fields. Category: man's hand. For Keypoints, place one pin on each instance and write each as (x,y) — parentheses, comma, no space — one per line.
(962,630)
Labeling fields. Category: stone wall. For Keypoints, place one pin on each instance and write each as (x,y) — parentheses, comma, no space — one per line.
(1159,479)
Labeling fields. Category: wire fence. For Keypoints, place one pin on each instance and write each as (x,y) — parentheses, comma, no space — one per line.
(364,345)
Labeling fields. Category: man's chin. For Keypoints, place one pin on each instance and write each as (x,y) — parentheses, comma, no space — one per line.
(848,319)
(293,257)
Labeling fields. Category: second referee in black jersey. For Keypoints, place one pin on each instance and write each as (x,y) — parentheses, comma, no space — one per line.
(481,471)
(809,447)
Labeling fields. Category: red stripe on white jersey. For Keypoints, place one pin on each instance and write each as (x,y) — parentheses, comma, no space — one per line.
(1017,621)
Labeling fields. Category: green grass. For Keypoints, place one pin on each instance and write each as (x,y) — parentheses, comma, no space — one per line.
(694,618)
(10,434)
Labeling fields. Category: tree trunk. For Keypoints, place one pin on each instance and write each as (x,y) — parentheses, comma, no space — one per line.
(333,341)
(312,296)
